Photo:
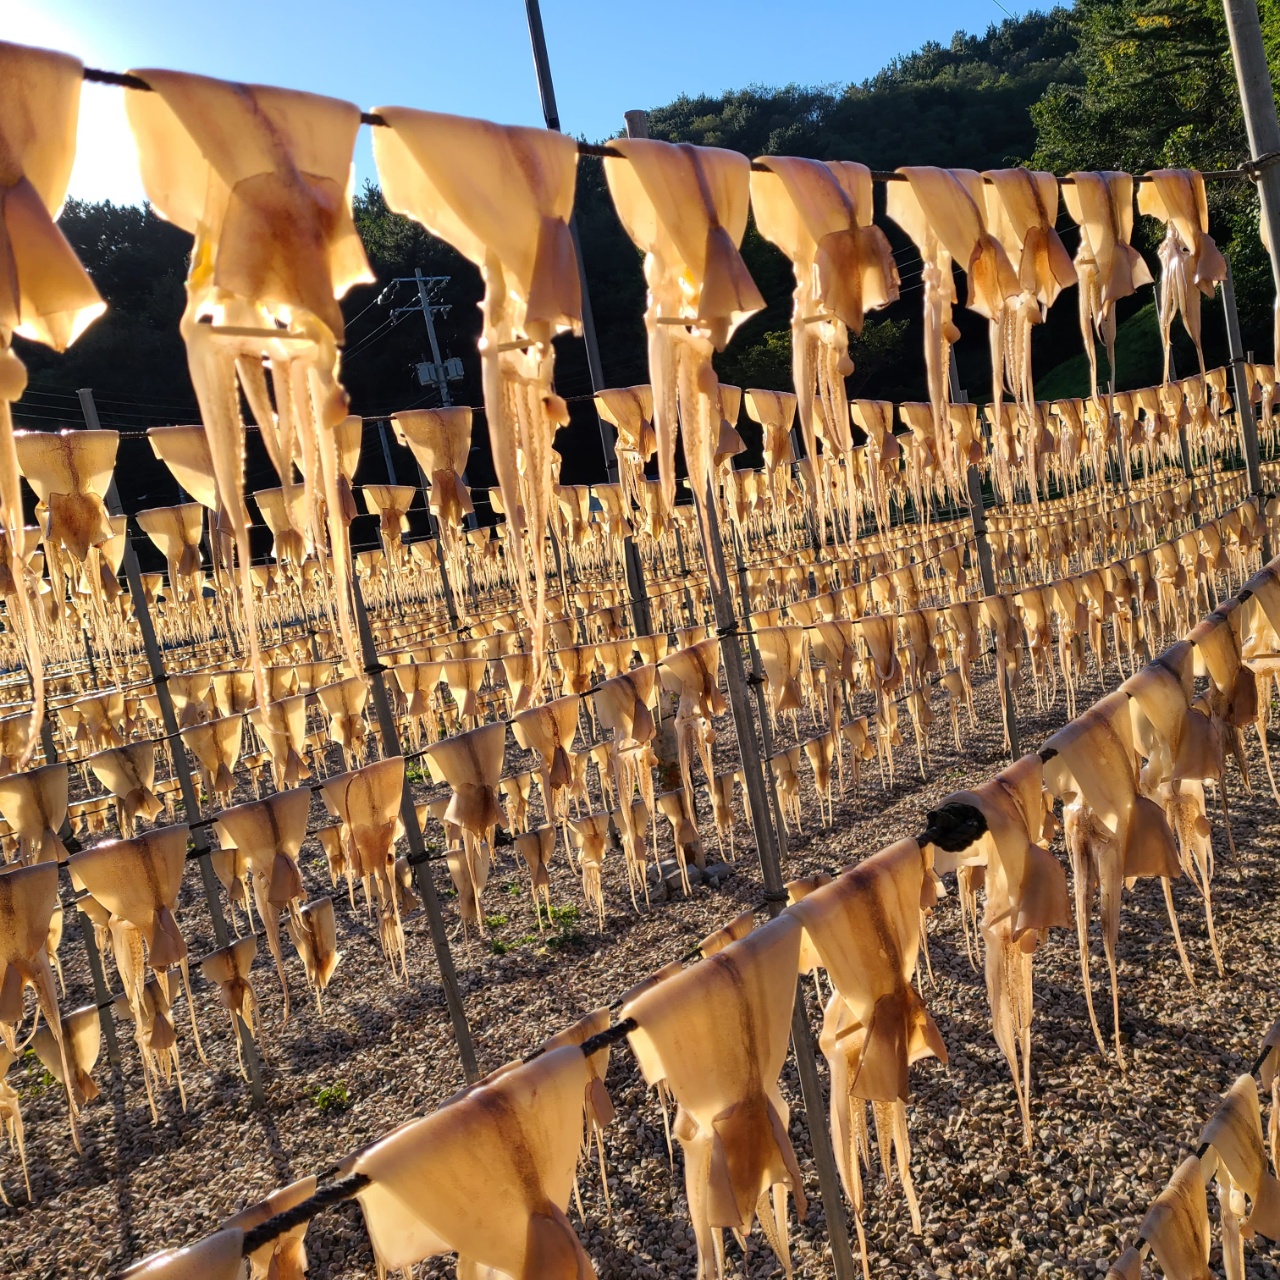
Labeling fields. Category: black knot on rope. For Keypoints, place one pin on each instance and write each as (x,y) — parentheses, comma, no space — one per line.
(953,827)
(1253,168)
(729,629)
(1047,754)
(755,678)
(610,1035)
(773,895)
(501,838)
(1243,594)
(374,668)
(265,1232)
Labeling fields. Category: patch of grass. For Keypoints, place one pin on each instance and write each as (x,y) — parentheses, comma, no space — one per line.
(44,1081)
(564,938)
(514,889)
(500,948)
(564,915)
(333,1097)
(495,921)
(414,772)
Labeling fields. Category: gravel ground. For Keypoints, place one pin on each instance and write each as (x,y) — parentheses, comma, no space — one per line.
(1105,1140)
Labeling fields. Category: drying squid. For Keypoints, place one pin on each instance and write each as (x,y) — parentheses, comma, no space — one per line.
(261,177)
(1191,264)
(502,196)
(819,215)
(46,295)
(1108,267)
(685,207)
(732,1118)
(269,833)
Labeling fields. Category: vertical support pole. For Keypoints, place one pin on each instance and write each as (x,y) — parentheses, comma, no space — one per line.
(88,653)
(767,848)
(160,677)
(986,570)
(1184,450)
(1188,467)
(450,604)
(640,617)
(1257,98)
(1123,462)
(199,835)
(101,993)
(417,849)
(386,451)
(684,572)
(550,113)
(1244,406)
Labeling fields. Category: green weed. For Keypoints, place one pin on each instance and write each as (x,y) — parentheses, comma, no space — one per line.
(333,1097)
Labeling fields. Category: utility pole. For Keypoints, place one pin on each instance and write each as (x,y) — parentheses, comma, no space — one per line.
(428,314)
(439,366)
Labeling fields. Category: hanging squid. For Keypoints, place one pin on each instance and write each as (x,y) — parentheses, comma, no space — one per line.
(261,177)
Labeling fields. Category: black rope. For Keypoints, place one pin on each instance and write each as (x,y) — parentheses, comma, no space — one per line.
(1248,169)
(1254,1071)
(273,1228)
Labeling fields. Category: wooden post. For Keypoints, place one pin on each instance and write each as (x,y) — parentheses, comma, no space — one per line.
(768,837)
(417,849)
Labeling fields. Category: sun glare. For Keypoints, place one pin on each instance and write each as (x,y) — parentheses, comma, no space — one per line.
(106,165)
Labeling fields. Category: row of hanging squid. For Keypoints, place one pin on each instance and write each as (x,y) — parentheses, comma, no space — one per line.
(811,648)
(712,1037)
(261,179)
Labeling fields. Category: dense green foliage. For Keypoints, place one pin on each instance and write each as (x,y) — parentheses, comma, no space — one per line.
(1107,84)
(1157,89)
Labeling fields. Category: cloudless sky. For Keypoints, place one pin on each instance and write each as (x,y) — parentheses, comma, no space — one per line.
(473,58)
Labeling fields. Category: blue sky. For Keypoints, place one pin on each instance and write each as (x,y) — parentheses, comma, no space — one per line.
(473,58)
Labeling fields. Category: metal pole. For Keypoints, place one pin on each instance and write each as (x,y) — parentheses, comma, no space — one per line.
(417,849)
(684,572)
(1184,449)
(1244,406)
(547,92)
(768,837)
(386,451)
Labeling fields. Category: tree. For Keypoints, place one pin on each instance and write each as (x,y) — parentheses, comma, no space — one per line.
(1158,90)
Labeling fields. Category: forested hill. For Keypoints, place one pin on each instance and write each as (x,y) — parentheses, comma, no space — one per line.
(1107,83)
(966,103)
